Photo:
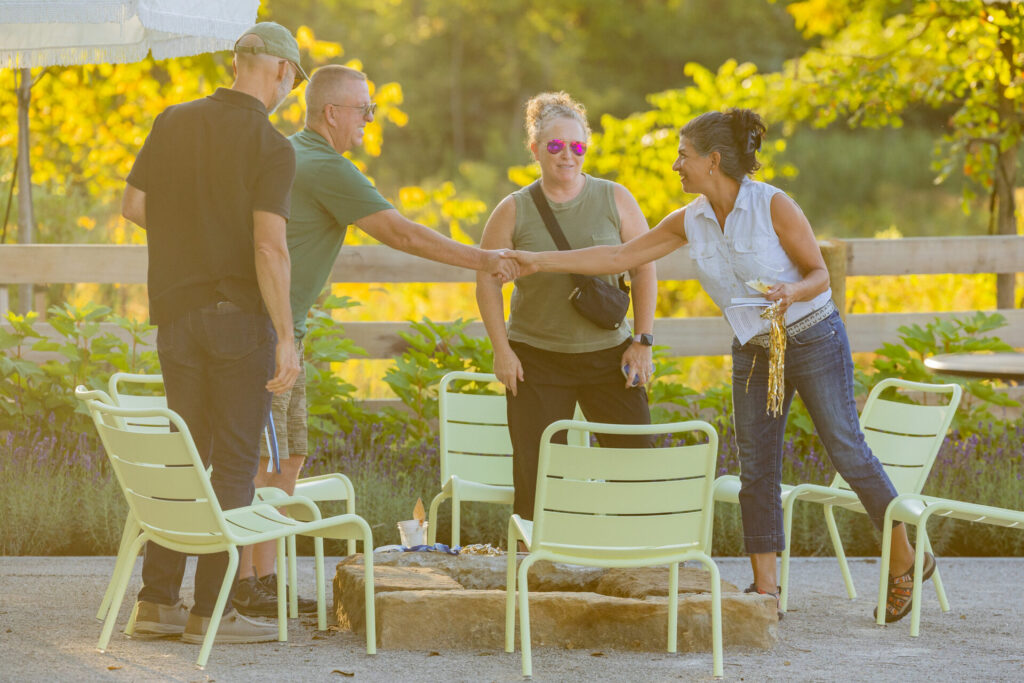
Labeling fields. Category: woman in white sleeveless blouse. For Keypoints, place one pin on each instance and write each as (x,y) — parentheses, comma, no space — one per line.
(741,230)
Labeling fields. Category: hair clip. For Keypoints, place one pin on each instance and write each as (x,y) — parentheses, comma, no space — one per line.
(753,142)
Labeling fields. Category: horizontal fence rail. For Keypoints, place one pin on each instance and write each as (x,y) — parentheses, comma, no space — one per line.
(684,336)
(126,264)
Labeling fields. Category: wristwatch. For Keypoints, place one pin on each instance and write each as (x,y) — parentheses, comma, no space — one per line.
(644,339)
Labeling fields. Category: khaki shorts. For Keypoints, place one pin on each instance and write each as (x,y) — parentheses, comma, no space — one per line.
(289,411)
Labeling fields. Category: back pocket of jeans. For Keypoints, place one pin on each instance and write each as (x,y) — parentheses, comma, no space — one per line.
(232,333)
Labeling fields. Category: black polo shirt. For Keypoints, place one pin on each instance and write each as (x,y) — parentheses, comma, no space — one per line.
(205,167)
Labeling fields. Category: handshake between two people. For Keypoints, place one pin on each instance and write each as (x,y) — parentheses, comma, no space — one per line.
(509,264)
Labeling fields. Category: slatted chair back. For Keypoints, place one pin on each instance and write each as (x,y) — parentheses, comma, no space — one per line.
(162,476)
(628,503)
(474,438)
(906,437)
(123,388)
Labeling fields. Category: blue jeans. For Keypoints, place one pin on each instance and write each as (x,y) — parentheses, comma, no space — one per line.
(819,367)
(215,361)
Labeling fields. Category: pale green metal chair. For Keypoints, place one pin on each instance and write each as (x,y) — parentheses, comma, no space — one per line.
(326,487)
(170,497)
(618,507)
(905,437)
(916,509)
(475,449)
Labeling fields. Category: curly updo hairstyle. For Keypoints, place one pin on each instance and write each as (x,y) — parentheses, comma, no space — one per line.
(736,134)
(547,106)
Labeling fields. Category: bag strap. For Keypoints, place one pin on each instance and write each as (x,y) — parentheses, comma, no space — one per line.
(551,223)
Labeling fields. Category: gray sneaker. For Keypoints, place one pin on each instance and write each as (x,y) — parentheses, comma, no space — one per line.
(234,628)
(160,621)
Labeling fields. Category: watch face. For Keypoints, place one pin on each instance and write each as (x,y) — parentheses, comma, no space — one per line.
(646,339)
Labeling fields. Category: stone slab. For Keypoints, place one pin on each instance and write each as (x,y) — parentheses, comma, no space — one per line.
(474,620)
(423,602)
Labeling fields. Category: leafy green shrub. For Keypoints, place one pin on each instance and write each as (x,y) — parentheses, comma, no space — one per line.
(331,401)
(957,335)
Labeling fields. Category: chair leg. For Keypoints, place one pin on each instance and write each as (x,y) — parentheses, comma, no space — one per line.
(350,508)
(370,596)
(940,590)
(129,628)
(716,615)
(524,614)
(218,607)
(456,519)
(128,534)
(787,526)
(282,619)
(432,517)
(321,599)
(883,570)
(510,590)
(915,605)
(122,573)
(293,579)
(837,546)
(673,605)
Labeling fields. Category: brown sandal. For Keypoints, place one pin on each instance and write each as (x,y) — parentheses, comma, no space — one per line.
(901,591)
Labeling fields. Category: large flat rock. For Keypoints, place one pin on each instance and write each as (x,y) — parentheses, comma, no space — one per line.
(435,601)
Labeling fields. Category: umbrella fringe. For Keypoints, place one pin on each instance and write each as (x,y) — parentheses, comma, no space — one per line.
(172,46)
(67,12)
(164,17)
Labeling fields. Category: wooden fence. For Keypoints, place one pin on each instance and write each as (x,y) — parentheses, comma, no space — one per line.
(685,336)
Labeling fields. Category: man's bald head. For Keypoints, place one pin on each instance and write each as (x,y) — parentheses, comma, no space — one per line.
(326,86)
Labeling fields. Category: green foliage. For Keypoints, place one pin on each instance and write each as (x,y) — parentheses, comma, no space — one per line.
(330,401)
(435,349)
(954,335)
(34,394)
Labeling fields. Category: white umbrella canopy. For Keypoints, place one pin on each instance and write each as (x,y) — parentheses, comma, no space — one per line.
(42,33)
(62,32)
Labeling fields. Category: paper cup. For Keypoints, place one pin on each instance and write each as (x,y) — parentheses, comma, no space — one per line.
(412,532)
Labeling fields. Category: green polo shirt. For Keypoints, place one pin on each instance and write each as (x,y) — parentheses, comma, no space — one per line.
(329,194)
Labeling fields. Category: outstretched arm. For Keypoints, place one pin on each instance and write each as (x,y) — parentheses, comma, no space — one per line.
(398,232)
(665,238)
(498,235)
(644,284)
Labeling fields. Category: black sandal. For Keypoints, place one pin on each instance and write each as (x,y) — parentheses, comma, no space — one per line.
(752,588)
(901,591)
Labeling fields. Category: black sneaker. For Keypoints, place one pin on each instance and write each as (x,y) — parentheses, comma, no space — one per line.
(252,599)
(269,582)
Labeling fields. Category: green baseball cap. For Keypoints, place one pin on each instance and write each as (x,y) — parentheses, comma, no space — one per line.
(277,42)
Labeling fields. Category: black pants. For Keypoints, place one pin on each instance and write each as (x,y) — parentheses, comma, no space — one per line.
(216,362)
(538,404)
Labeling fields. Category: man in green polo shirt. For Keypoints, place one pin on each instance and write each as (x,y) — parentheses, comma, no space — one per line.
(328,195)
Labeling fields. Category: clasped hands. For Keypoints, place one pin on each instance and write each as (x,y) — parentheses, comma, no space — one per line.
(508,264)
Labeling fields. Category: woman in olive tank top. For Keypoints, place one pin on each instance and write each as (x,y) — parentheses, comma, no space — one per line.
(550,357)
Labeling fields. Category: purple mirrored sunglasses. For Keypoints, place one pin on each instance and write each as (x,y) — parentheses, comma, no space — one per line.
(578,148)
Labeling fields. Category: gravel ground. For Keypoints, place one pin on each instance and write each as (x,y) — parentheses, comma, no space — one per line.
(47,632)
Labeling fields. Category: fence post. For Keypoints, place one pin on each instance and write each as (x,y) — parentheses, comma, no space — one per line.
(834,253)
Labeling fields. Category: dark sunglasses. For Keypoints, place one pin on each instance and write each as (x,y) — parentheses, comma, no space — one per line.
(578,148)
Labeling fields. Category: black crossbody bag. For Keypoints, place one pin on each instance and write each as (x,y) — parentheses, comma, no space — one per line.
(599,302)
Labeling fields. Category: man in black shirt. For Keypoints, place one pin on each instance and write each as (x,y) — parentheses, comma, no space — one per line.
(211,187)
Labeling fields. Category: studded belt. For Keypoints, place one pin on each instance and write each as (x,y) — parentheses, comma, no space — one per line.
(804,323)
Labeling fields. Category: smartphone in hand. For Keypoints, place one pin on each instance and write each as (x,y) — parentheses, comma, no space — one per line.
(625,373)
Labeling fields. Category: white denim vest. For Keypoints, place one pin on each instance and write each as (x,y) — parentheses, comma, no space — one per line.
(747,249)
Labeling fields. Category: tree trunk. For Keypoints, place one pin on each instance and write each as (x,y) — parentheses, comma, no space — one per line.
(1006,217)
(26,222)
(1006,180)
